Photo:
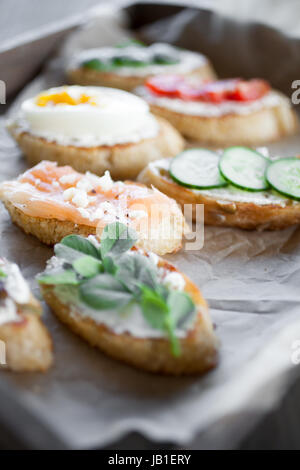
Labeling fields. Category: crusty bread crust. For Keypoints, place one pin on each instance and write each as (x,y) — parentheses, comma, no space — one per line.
(85,76)
(51,231)
(257,128)
(28,345)
(124,161)
(244,215)
(198,348)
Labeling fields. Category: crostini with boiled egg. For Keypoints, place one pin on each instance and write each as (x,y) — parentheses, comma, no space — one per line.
(238,187)
(25,342)
(129,66)
(221,113)
(50,202)
(93,129)
(131,304)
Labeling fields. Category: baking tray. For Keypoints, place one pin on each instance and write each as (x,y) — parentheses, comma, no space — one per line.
(24,420)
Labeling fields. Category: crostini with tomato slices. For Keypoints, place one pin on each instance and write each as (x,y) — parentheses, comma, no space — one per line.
(221,113)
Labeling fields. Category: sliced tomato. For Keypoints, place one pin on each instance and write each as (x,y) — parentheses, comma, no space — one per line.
(212,92)
(187,92)
(249,90)
(217,91)
(234,89)
(166,85)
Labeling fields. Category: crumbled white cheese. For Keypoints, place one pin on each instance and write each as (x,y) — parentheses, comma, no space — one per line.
(55,262)
(77,196)
(68,194)
(92,199)
(120,186)
(109,218)
(80,199)
(68,179)
(108,207)
(55,184)
(98,214)
(174,280)
(94,179)
(137,214)
(106,182)
(94,241)
(85,184)
(84,213)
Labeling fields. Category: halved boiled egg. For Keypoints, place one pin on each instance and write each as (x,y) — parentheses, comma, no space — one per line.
(87,113)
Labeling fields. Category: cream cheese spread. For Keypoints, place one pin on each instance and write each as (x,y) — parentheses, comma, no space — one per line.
(187,60)
(228,193)
(17,293)
(199,108)
(128,320)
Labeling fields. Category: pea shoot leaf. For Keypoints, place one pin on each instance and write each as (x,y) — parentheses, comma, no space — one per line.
(104,292)
(87,266)
(2,274)
(81,244)
(67,277)
(117,238)
(136,269)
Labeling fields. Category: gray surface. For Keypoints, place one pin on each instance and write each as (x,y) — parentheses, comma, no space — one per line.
(269,429)
(23,16)
(89,400)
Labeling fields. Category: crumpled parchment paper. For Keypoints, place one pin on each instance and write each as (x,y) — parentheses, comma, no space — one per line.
(251,282)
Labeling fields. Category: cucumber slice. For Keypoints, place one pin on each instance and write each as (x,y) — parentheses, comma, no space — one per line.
(164,59)
(96,64)
(244,168)
(127,61)
(284,176)
(197,168)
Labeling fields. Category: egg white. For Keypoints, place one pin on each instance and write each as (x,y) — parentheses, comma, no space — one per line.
(117,116)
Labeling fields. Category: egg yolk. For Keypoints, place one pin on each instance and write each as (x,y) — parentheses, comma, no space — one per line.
(64,98)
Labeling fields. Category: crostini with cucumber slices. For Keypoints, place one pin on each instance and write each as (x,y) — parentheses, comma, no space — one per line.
(131,304)
(129,66)
(50,202)
(239,187)
(26,345)
(223,112)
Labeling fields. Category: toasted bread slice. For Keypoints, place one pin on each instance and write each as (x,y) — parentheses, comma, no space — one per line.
(267,124)
(85,76)
(40,209)
(25,341)
(51,231)
(124,161)
(243,209)
(198,347)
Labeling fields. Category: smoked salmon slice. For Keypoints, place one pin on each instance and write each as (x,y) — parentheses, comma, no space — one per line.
(51,201)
